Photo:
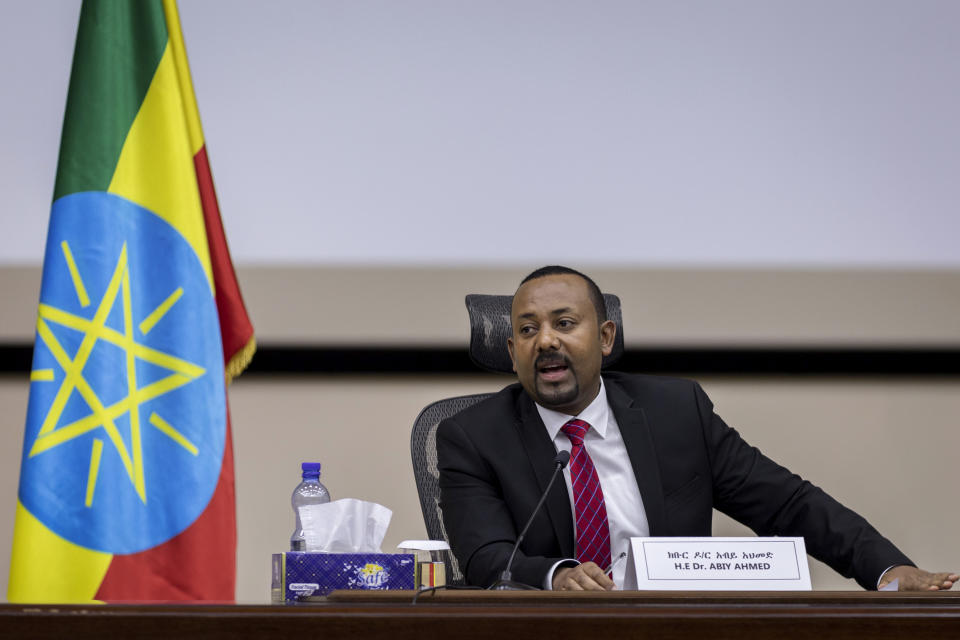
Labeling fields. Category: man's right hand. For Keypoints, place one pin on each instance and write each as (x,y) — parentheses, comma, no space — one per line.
(583,577)
(914,579)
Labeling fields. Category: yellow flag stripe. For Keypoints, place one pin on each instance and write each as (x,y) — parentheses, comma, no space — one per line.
(94,470)
(139,480)
(168,430)
(75,274)
(179,51)
(41,375)
(63,393)
(157,314)
(156,169)
(46,568)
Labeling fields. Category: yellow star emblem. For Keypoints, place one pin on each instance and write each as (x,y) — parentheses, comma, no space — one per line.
(102,416)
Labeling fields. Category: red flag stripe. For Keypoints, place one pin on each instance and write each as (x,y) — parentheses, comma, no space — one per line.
(235,327)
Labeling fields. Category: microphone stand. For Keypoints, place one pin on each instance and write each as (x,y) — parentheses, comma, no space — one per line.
(505,582)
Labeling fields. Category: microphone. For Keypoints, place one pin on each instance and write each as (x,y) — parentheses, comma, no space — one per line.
(506,581)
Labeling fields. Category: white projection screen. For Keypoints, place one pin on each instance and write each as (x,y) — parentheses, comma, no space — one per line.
(744,133)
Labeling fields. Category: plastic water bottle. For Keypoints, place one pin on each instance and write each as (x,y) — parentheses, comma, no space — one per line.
(309,491)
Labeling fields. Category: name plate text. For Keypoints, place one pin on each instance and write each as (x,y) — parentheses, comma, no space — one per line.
(717,564)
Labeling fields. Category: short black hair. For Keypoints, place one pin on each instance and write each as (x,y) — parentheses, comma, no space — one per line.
(595,295)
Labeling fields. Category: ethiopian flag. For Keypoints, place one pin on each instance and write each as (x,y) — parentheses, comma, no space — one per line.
(126,480)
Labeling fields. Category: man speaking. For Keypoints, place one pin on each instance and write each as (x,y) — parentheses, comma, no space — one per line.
(648,457)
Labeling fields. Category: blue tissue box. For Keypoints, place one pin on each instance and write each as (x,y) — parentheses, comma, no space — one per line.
(298,574)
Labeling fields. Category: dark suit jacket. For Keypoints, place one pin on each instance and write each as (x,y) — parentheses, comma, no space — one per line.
(495,460)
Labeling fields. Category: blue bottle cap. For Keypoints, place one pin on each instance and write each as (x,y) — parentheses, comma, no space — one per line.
(310,467)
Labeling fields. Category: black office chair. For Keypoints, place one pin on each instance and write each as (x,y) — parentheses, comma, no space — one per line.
(489,330)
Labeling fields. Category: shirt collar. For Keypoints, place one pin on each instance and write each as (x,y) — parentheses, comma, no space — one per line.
(596,414)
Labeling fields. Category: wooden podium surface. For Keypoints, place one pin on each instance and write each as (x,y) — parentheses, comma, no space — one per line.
(511,615)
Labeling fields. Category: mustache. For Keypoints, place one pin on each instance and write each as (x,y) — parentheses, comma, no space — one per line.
(551,360)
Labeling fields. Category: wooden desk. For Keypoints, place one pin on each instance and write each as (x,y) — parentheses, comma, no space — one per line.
(511,615)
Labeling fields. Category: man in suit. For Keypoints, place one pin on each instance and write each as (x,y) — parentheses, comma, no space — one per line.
(649,457)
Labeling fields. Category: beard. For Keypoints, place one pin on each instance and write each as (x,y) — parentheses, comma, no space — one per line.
(553,394)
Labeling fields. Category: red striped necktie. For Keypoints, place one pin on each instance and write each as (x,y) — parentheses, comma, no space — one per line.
(593,531)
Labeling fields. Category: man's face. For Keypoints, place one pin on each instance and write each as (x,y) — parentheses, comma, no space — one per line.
(557,346)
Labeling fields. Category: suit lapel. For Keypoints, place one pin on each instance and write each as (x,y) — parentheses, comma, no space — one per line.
(541,452)
(639,444)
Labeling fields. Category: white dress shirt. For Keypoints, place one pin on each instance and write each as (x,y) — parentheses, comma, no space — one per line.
(626,516)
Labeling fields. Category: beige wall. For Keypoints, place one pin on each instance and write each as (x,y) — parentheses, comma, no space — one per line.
(886,447)
(407,305)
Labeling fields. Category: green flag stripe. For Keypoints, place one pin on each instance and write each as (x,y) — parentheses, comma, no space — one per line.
(119,45)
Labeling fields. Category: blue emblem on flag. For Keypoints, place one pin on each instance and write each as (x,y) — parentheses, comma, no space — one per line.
(126,420)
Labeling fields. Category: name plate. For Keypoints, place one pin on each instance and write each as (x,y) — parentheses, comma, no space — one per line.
(717,564)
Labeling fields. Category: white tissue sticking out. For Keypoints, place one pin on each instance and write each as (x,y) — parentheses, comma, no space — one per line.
(345,526)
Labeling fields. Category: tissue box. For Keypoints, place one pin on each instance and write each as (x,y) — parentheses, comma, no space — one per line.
(300,573)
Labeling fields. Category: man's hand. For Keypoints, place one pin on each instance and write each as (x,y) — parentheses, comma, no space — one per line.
(583,577)
(914,579)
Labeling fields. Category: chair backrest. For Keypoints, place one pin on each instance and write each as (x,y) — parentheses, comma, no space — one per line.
(423,449)
(490,328)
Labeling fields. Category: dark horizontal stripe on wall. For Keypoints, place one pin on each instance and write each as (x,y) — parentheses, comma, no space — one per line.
(662,360)
(747,361)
